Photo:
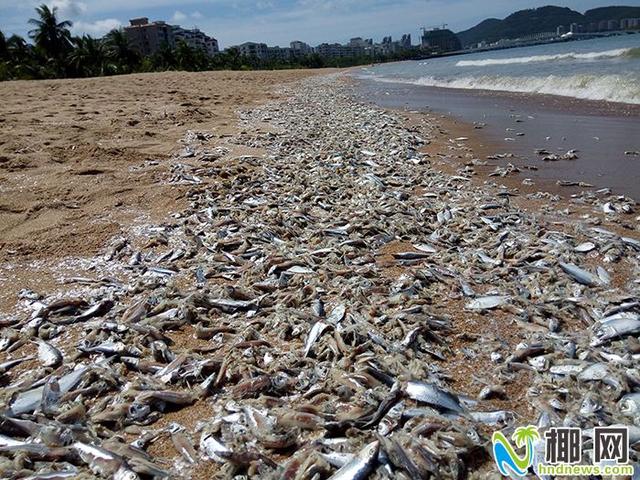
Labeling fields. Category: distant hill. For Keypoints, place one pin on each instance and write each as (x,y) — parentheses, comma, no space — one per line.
(537,20)
(611,13)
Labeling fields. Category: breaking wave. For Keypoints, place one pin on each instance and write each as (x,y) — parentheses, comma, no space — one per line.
(619,52)
(612,88)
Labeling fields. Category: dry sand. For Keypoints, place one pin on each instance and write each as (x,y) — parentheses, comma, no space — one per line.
(78,159)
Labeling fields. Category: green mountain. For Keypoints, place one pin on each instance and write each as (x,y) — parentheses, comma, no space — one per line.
(537,20)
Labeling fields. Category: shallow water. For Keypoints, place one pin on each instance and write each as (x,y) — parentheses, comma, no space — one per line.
(597,69)
(521,123)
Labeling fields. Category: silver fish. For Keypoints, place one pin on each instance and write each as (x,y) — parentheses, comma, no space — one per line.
(434,396)
(487,303)
(27,402)
(49,355)
(360,466)
(314,334)
(578,274)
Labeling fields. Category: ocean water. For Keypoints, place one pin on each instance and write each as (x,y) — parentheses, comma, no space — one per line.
(598,69)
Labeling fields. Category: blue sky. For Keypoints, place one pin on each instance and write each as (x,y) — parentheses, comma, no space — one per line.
(279,22)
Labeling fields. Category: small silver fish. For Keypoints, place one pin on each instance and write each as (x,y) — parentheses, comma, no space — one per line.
(360,466)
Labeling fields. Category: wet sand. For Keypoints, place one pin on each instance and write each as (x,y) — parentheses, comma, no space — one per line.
(601,132)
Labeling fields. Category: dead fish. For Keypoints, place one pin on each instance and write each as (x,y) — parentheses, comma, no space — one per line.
(314,335)
(214,449)
(499,417)
(337,314)
(585,247)
(183,444)
(613,329)
(97,310)
(49,355)
(411,255)
(630,404)
(298,270)
(27,402)
(578,274)
(360,466)
(391,420)
(9,364)
(423,247)
(487,303)
(434,396)
(100,461)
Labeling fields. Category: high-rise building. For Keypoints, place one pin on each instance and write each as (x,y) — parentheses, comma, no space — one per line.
(147,38)
(406,40)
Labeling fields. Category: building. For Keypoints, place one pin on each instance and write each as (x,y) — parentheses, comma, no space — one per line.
(440,40)
(333,50)
(196,39)
(147,38)
(561,30)
(278,54)
(300,49)
(252,49)
(574,28)
(406,41)
(613,25)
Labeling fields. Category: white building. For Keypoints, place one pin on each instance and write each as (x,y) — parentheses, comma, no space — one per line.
(196,39)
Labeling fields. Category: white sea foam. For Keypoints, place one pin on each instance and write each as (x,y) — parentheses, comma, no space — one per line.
(613,88)
(619,52)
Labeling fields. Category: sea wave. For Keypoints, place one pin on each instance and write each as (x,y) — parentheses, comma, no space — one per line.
(619,52)
(612,88)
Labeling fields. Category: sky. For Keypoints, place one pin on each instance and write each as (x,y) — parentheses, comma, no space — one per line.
(279,22)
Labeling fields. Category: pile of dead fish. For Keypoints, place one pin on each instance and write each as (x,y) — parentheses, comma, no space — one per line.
(334,308)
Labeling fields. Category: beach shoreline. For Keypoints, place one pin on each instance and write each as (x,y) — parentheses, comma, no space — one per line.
(603,135)
(435,276)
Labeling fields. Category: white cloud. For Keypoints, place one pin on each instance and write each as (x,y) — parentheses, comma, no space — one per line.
(98,28)
(70,8)
(178,16)
(197,15)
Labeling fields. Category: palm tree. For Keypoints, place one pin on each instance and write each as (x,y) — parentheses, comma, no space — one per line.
(126,59)
(4,52)
(50,36)
(90,57)
(164,58)
(185,56)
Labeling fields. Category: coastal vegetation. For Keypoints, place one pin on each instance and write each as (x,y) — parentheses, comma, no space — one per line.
(56,53)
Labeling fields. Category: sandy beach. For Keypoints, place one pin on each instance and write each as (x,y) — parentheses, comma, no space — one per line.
(283,278)
(82,160)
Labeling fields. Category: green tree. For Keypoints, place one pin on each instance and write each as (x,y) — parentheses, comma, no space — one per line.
(90,57)
(125,58)
(185,56)
(4,51)
(53,37)
(164,58)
